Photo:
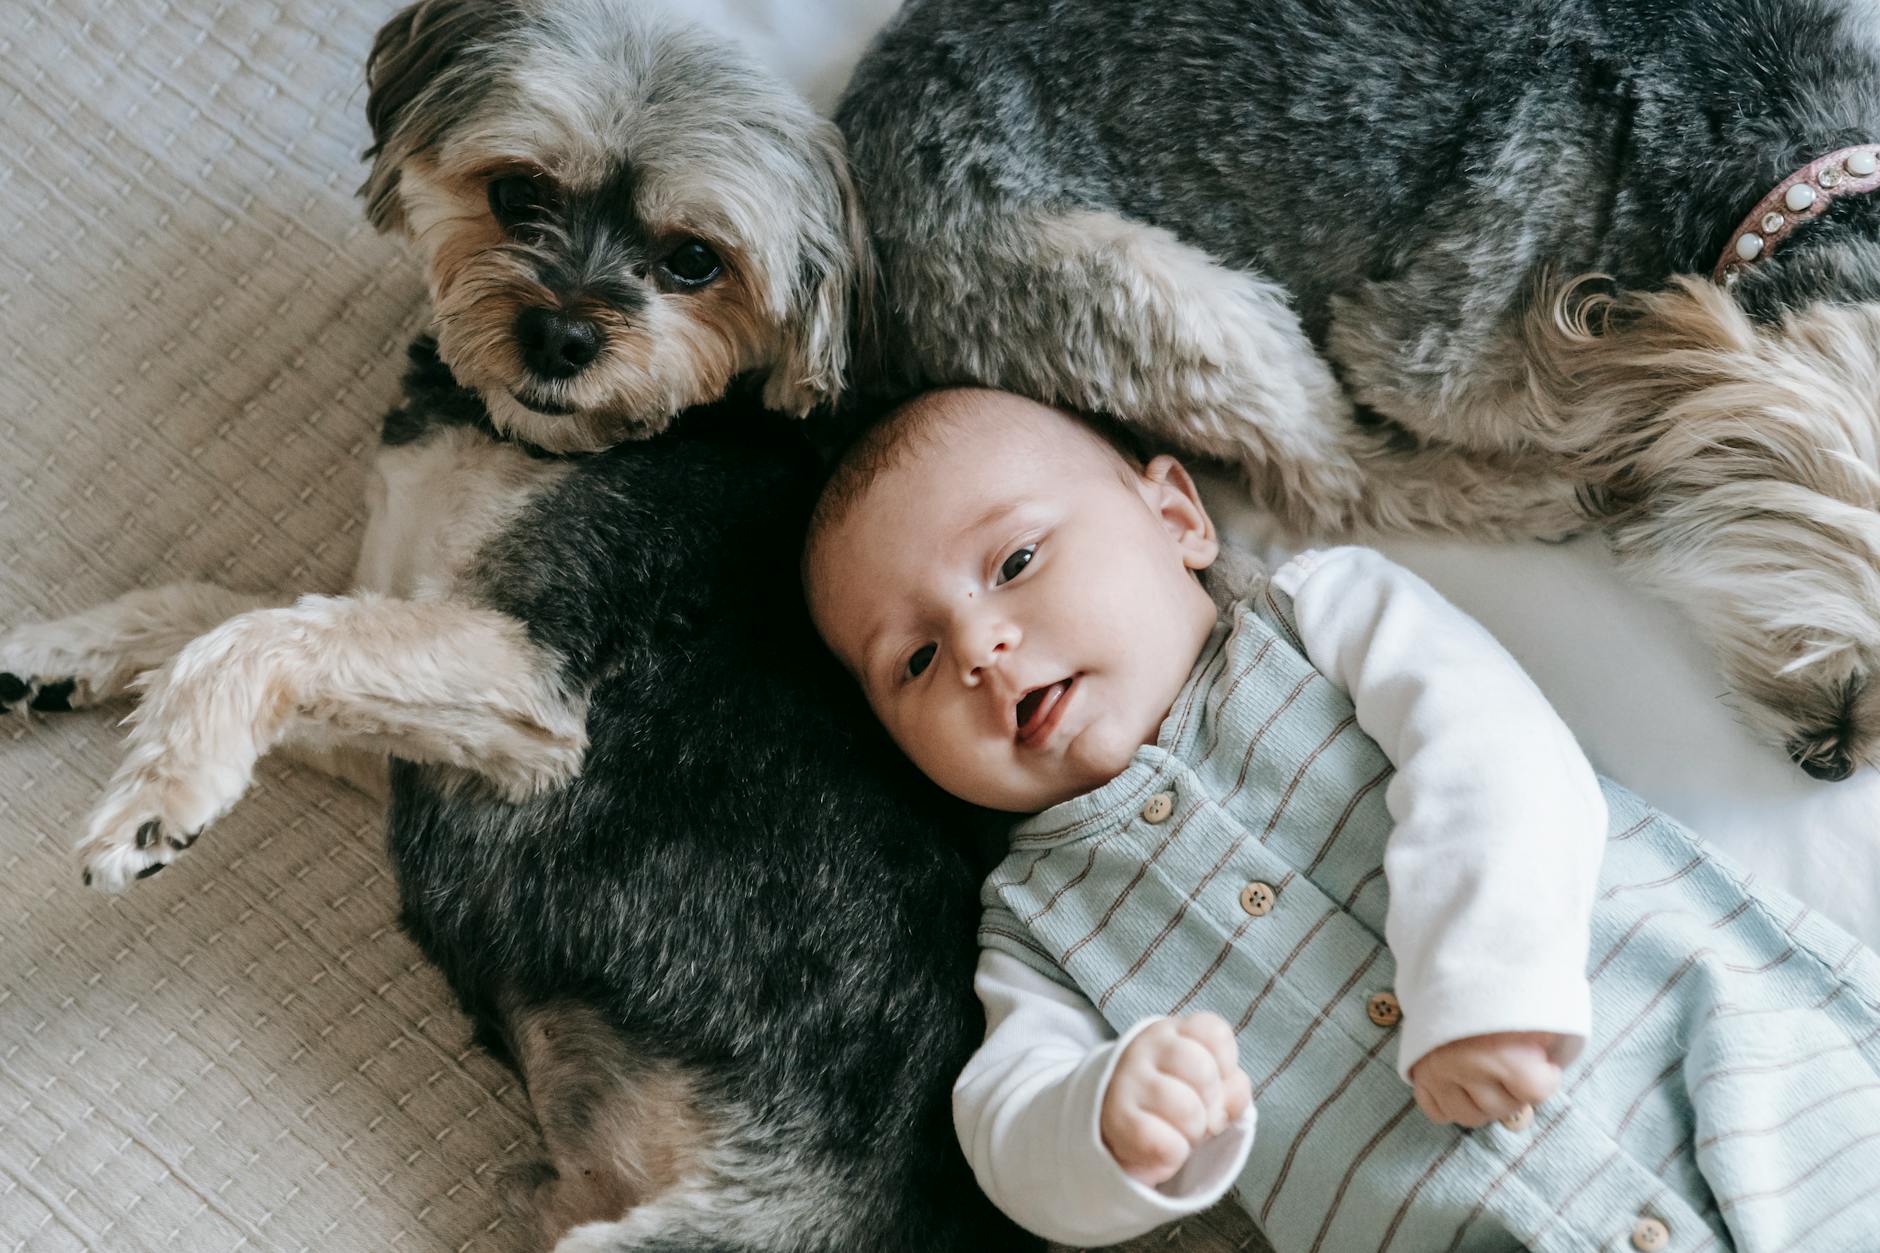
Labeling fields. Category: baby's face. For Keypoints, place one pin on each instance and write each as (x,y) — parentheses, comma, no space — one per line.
(1017,600)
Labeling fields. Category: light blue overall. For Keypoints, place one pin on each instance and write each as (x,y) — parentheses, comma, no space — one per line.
(1728,1097)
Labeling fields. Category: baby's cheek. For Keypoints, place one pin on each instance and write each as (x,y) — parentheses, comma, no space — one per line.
(1102,753)
(964,771)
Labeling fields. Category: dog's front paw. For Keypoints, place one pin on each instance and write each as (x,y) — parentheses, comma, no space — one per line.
(19,693)
(34,675)
(149,818)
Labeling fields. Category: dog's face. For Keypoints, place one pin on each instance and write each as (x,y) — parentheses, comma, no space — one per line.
(617,215)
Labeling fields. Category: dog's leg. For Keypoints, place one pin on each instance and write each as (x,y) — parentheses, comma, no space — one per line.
(761,1203)
(433,682)
(638,1162)
(618,1129)
(1442,353)
(95,657)
(92,658)
(1104,314)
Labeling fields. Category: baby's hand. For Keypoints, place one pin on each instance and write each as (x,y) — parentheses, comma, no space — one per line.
(1486,1077)
(1177,1084)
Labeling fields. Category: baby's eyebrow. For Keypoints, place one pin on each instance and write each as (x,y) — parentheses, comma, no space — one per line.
(994,513)
(869,661)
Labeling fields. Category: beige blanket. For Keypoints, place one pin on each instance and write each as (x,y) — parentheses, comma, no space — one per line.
(201,334)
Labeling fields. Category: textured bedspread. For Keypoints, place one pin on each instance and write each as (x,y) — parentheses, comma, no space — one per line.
(200,335)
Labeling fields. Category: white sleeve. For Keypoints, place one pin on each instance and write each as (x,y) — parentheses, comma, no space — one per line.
(1500,823)
(1027,1106)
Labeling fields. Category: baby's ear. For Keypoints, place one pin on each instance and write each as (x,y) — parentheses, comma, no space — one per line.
(1169,490)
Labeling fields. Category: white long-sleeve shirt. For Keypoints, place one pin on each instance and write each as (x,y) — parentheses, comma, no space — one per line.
(1492,863)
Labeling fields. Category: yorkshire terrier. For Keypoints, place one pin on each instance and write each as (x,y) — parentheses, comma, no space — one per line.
(639,818)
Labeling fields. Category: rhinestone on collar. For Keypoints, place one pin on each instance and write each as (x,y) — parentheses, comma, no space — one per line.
(1803,195)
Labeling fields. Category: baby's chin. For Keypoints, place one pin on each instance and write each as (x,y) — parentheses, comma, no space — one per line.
(1098,756)
(1034,792)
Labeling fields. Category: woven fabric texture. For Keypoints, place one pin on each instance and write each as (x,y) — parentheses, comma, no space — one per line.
(202,332)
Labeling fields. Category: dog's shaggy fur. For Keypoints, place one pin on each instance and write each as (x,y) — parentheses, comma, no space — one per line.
(1203,218)
(639,817)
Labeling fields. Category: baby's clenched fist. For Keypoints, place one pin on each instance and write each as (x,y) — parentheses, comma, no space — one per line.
(1177,1084)
(1486,1077)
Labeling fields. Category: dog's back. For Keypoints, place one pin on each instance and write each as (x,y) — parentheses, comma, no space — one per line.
(1333,145)
(733,959)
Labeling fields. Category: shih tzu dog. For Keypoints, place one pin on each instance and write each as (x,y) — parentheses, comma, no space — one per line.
(1319,239)
(642,822)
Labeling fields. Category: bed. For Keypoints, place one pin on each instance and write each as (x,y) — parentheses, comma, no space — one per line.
(246,1054)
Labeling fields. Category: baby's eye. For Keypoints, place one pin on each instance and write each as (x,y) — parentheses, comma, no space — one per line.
(1016,562)
(922,658)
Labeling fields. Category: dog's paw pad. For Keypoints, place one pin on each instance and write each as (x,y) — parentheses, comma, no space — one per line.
(1824,756)
(19,693)
(55,697)
(134,836)
(114,867)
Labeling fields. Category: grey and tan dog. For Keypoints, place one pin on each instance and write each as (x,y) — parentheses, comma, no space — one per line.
(1254,229)
(665,857)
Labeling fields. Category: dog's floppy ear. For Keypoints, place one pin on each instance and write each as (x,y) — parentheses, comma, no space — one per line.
(831,310)
(412,97)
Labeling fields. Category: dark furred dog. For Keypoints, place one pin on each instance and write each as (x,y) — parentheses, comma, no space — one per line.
(643,822)
(1225,223)
(734,957)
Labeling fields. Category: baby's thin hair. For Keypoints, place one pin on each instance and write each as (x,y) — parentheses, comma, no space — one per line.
(884,443)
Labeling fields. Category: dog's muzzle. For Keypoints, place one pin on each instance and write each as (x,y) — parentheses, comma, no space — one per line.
(555,345)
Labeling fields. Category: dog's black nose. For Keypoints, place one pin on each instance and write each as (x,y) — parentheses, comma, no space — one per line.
(555,345)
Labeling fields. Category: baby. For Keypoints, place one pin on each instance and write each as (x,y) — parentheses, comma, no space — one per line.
(1315,843)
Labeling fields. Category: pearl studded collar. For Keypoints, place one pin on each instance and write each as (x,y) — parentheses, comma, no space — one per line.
(1803,195)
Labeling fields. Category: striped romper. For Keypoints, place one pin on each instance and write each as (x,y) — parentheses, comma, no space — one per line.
(1728,1098)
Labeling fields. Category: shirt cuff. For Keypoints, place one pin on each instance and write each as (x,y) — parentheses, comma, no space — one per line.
(1489,1003)
(1124,1207)
(1290,577)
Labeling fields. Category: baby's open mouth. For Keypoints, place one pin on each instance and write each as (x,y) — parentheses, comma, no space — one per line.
(1040,709)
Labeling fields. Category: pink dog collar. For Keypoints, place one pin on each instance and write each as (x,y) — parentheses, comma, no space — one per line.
(1805,194)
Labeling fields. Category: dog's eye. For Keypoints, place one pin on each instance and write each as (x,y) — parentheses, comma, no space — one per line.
(515,198)
(692,264)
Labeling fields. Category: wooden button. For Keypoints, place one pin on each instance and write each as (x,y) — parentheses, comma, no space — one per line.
(1650,1236)
(1257,899)
(1520,1120)
(1159,807)
(1383,1009)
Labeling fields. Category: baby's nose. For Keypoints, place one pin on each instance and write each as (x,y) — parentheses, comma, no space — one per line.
(989,650)
(978,663)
